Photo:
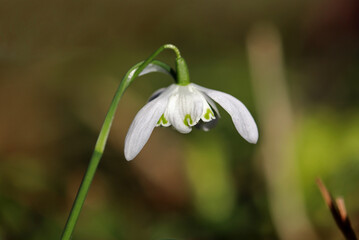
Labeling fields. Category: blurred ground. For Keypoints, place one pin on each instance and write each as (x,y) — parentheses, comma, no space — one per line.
(60,64)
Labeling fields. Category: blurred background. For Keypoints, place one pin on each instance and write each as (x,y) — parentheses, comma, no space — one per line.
(294,64)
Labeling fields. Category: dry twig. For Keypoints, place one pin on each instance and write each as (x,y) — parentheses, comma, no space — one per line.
(339,213)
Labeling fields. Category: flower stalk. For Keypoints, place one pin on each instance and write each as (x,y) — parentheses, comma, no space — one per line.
(182,72)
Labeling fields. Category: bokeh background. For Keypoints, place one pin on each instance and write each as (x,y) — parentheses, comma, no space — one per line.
(295,65)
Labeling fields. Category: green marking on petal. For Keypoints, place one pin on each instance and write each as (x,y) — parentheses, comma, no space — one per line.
(162,120)
(187,119)
(208,114)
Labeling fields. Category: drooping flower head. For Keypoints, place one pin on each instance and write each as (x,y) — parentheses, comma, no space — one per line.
(184,105)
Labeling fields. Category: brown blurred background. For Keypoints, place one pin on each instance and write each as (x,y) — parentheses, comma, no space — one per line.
(295,65)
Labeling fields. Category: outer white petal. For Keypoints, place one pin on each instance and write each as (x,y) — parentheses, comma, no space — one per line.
(242,119)
(148,69)
(143,125)
(156,94)
(153,68)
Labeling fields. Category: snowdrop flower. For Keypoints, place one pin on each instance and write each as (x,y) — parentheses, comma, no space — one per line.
(184,105)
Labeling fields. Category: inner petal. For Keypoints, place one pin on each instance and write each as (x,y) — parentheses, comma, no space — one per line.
(163,121)
(185,108)
(208,115)
(188,120)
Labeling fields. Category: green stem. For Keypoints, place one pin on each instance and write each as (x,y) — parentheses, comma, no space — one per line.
(105,130)
(182,72)
(181,66)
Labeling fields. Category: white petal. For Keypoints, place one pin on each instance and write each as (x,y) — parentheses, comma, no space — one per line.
(207,113)
(153,68)
(156,94)
(212,104)
(143,125)
(175,116)
(148,69)
(185,108)
(242,119)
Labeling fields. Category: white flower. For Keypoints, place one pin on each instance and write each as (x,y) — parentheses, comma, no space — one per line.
(184,107)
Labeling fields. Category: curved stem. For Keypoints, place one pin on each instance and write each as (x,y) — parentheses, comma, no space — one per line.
(102,138)
(150,59)
(181,66)
(174,48)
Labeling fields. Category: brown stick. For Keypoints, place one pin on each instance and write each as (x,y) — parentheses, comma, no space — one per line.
(339,213)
